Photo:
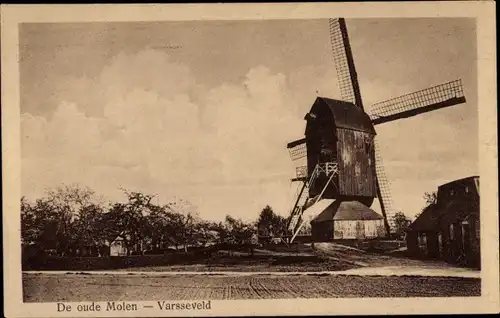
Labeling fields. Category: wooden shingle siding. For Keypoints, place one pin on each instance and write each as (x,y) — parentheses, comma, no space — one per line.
(356,163)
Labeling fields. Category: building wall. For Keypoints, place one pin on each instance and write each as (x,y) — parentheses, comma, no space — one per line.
(356,161)
(357,229)
(412,243)
(374,228)
(424,244)
(462,190)
(459,226)
(322,231)
(453,242)
(455,238)
(461,242)
(475,240)
(117,248)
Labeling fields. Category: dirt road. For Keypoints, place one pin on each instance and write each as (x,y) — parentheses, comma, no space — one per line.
(71,287)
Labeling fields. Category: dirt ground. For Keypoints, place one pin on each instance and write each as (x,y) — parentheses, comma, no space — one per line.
(302,258)
(63,286)
(272,258)
(71,287)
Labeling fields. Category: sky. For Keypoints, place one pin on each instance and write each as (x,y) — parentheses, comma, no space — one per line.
(203,110)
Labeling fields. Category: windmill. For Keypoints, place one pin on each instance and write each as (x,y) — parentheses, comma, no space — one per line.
(343,158)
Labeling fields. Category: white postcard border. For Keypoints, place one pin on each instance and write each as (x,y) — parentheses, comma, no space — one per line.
(484,13)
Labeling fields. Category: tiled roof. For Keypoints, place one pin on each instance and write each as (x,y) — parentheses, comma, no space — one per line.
(347,210)
(428,220)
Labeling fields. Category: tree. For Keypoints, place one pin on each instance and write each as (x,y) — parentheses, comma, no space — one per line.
(223,233)
(70,199)
(183,222)
(89,228)
(158,226)
(66,203)
(430,198)
(29,229)
(401,223)
(205,232)
(271,224)
(239,232)
(130,220)
(43,226)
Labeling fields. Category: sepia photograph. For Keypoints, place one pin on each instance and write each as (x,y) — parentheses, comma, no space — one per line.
(184,162)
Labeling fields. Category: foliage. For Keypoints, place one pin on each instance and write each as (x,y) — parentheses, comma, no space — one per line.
(239,231)
(401,223)
(55,222)
(271,224)
(430,198)
(70,218)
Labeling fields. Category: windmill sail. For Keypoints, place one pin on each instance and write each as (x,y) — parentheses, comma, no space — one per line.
(344,63)
(383,190)
(440,96)
(297,149)
(350,91)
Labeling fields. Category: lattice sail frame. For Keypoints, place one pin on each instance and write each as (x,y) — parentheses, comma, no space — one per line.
(298,151)
(384,186)
(443,95)
(340,60)
(301,172)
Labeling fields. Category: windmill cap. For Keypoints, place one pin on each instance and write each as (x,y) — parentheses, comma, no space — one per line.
(344,114)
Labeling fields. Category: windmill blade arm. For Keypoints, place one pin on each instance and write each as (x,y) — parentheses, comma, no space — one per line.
(440,96)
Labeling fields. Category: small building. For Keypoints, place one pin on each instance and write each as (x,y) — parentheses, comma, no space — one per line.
(423,234)
(449,229)
(347,220)
(117,247)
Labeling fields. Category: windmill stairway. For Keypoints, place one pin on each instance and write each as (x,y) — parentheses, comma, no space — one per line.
(302,210)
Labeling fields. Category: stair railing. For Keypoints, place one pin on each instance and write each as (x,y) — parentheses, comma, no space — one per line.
(333,173)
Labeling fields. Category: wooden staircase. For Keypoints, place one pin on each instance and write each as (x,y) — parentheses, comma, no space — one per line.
(296,220)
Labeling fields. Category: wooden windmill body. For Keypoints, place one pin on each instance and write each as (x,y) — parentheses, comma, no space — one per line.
(343,162)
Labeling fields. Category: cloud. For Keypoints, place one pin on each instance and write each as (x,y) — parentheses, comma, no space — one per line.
(145,123)
(225,150)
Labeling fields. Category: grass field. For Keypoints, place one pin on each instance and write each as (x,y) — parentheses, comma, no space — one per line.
(71,287)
